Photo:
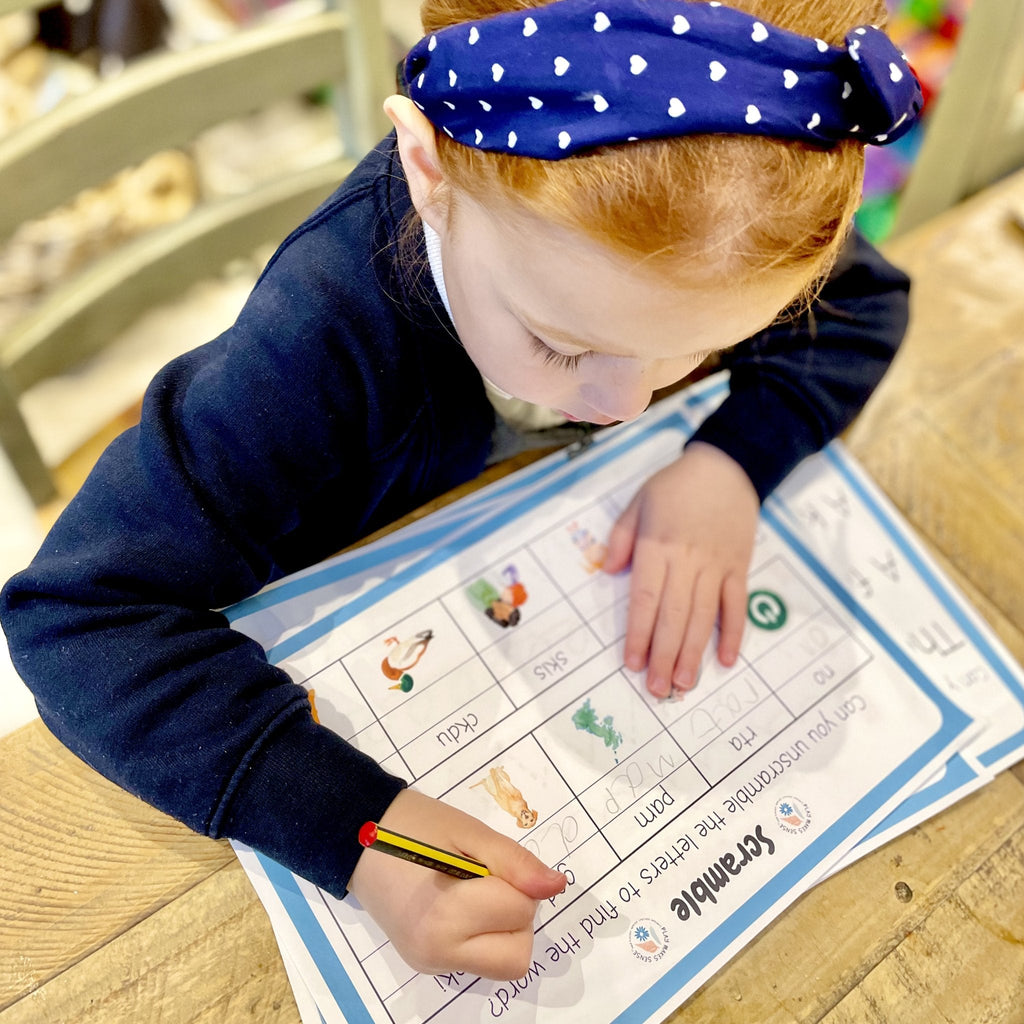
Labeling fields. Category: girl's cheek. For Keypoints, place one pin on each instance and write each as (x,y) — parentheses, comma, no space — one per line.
(678,370)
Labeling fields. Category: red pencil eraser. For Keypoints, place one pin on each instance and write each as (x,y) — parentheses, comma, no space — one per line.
(368,834)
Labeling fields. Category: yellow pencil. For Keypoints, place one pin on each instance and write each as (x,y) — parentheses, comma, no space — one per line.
(372,836)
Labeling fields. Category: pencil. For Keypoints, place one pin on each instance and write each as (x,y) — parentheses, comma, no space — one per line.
(372,836)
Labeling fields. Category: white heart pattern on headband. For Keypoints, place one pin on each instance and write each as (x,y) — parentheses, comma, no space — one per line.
(551,80)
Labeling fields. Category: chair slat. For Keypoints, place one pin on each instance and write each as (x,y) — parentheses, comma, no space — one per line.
(160,102)
(81,316)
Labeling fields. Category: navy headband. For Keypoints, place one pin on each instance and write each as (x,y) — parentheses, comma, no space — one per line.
(554,80)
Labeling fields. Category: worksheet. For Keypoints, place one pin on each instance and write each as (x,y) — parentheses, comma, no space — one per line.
(831,506)
(946,638)
(478,655)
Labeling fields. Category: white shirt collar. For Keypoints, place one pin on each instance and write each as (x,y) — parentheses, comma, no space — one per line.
(433,240)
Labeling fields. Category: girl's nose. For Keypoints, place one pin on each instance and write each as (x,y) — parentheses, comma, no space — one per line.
(619,388)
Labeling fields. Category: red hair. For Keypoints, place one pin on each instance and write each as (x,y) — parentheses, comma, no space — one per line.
(699,204)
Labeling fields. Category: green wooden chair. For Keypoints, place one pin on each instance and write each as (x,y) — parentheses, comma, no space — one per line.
(159,102)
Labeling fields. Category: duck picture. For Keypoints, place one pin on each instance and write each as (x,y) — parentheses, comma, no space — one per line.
(404,655)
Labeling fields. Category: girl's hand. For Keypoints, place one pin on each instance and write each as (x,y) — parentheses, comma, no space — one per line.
(689,532)
(438,923)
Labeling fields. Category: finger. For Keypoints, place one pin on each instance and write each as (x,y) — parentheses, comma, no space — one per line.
(673,615)
(494,905)
(502,956)
(520,868)
(482,925)
(645,596)
(621,539)
(698,630)
(734,618)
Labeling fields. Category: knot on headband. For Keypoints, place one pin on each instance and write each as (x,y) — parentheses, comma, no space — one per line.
(575,74)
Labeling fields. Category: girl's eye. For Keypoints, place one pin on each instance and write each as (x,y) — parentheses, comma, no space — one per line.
(553,358)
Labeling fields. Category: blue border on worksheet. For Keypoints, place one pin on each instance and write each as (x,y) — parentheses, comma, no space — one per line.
(462,513)
(570,472)
(359,561)
(958,772)
(953,605)
(953,722)
(312,934)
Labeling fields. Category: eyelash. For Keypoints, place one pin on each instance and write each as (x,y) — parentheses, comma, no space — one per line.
(553,358)
(571,363)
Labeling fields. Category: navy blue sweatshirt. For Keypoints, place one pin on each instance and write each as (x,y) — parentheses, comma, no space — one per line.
(339,400)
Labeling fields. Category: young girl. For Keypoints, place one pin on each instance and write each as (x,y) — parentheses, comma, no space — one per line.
(579,202)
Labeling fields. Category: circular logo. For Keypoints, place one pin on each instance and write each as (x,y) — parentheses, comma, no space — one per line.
(766,610)
(793,815)
(648,940)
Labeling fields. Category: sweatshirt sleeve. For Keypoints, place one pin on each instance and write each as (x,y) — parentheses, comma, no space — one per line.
(799,383)
(256,454)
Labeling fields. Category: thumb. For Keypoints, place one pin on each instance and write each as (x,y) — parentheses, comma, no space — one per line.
(620,540)
(517,866)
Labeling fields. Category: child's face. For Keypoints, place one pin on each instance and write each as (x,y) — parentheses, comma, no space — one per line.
(552,317)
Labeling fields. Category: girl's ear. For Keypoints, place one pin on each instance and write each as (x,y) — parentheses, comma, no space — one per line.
(417,148)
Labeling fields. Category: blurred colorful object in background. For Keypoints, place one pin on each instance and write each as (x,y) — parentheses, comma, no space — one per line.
(926,30)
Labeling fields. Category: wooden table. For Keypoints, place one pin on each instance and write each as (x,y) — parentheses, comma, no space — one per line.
(112,912)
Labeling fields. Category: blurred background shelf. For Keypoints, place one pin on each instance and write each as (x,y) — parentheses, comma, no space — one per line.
(969,55)
(209,209)
(150,103)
